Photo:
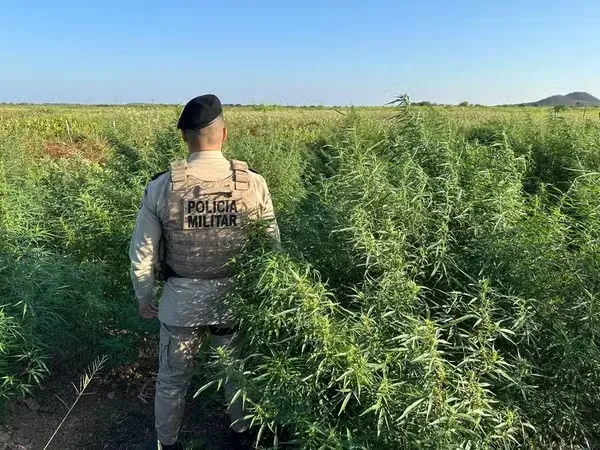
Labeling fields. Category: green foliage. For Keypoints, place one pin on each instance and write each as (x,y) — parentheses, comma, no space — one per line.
(460,313)
(436,286)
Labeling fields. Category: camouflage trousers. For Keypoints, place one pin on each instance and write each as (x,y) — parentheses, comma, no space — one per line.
(178,349)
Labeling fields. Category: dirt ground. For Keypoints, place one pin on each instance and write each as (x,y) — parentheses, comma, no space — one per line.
(115,413)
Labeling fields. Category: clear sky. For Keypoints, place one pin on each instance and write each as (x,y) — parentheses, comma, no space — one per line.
(305,52)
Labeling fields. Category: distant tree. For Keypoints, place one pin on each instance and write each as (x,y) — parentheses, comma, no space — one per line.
(559,108)
(463,103)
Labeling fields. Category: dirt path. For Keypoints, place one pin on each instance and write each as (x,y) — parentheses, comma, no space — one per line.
(115,413)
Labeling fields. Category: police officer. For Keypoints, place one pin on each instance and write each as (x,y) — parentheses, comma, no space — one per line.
(200,209)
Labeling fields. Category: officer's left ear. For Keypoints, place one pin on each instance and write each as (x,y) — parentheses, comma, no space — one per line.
(224,134)
(184,137)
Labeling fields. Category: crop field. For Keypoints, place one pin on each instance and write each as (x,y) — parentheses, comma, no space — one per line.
(437,286)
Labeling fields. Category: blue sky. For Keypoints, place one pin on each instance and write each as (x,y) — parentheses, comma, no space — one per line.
(309,52)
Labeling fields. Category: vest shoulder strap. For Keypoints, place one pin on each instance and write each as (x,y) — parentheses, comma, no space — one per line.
(156,175)
(179,175)
(241,178)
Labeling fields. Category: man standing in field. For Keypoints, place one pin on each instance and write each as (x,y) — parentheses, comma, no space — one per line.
(201,209)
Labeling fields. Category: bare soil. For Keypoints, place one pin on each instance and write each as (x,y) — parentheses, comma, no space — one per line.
(89,149)
(116,411)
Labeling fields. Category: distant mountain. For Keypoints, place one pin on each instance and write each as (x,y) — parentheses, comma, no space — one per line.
(572,99)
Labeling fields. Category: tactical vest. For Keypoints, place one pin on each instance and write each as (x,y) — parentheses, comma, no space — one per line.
(207,221)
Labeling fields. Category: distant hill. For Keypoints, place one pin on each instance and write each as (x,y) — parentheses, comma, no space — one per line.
(572,99)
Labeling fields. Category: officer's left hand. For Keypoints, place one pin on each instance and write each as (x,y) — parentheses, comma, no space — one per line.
(149,311)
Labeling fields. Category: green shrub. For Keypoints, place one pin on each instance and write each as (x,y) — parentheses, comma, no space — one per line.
(436,286)
(436,305)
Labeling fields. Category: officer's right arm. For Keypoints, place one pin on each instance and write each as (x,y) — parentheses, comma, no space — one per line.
(143,250)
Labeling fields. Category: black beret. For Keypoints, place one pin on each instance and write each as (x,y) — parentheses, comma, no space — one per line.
(200,112)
